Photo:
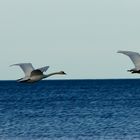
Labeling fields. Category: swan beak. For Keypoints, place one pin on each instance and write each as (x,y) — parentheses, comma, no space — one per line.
(63,73)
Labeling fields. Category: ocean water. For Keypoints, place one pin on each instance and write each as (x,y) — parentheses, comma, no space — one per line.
(70,110)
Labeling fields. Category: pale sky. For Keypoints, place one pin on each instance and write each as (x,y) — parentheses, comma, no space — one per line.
(80,37)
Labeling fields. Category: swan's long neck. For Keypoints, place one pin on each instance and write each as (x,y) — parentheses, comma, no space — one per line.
(54,73)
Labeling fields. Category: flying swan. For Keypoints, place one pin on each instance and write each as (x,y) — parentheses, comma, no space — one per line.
(34,75)
(135,58)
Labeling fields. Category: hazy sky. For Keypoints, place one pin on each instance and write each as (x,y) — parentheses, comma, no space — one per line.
(80,37)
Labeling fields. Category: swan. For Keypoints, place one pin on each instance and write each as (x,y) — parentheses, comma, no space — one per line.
(135,58)
(34,75)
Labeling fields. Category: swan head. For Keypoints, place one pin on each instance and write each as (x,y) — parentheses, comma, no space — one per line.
(62,72)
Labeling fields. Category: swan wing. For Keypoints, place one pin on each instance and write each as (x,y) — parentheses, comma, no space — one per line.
(43,69)
(134,56)
(23,79)
(26,67)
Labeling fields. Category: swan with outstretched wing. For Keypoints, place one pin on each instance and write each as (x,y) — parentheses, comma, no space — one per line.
(135,58)
(34,75)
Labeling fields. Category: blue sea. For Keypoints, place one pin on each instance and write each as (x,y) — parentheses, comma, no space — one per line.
(70,110)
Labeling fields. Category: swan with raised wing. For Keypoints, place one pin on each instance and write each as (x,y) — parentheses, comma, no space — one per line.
(135,58)
(34,75)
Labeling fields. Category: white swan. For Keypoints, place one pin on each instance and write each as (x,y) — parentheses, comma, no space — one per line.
(135,57)
(34,75)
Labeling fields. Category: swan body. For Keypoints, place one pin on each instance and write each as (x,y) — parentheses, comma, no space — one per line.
(34,75)
(135,58)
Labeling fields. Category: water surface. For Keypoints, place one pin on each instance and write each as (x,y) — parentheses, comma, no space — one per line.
(70,109)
